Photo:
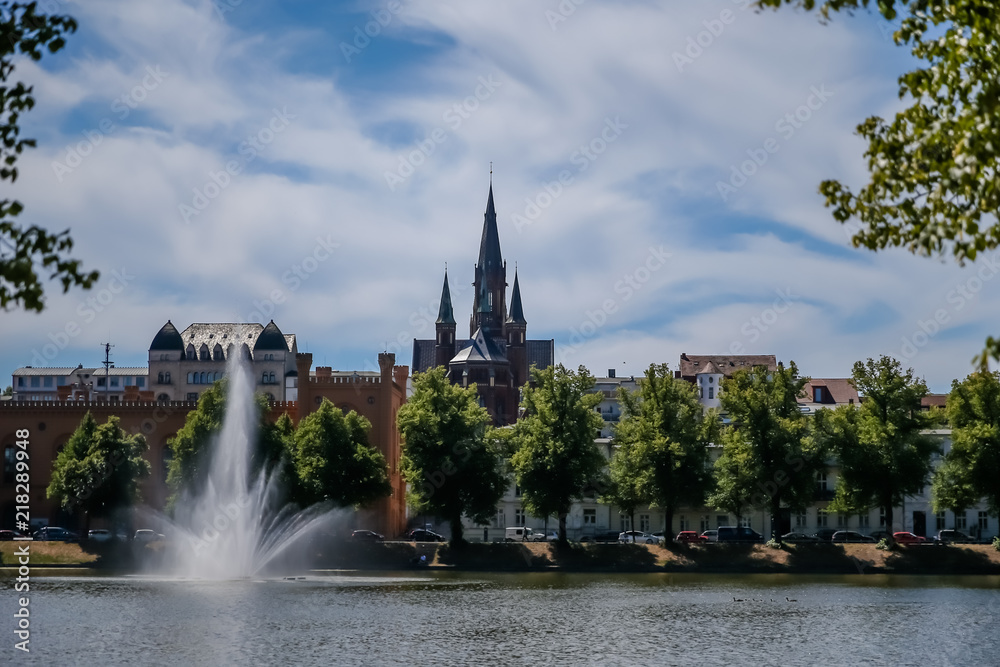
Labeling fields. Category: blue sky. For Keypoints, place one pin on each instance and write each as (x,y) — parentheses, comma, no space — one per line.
(321,162)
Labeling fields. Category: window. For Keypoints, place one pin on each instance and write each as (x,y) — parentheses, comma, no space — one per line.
(517,491)
(984,522)
(101,382)
(114,382)
(684,522)
(9,460)
(961,522)
(203,353)
(881,517)
(821,481)
(625,521)
(711,392)
(159,378)
(217,353)
(20,382)
(644,523)
(163,398)
(940,523)
(841,520)
(47,381)
(863,522)
(128,380)
(745,522)
(821,519)
(721,520)
(701,392)
(800,520)
(590,517)
(705,520)
(192,396)
(500,520)
(518,517)
(35,381)
(140,382)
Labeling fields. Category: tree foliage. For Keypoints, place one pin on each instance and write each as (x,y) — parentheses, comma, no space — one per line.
(971,470)
(334,460)
(662,444)
(767,448)
(452,464)
(556,458)
(883,454)
(26,251)
(99,469)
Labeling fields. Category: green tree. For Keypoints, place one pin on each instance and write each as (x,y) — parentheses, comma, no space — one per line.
(451,463)
(734,485)
(99,469)
(556,458)
(191,461)
(769,435)
(665,422)
(9,391)
(971,470)
(334,460)
(933,168)
(628,479)
(25,251)
(884,455)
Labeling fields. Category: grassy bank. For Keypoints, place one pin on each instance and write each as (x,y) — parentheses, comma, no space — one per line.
(518,557)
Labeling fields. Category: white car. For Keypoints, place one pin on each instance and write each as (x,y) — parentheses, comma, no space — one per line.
(99,535)
(550,536)
(637,537)
(146,535)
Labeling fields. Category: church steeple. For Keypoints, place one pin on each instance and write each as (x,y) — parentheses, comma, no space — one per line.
(446,315)
(489,309)
(516,312)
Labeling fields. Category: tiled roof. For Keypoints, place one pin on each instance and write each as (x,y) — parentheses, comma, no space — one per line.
(124,370)
(54,370)
(271,338)
(480,348)
(710,368)
(837,391)
(934,400)
(541,353)
(167,338)
(727,364)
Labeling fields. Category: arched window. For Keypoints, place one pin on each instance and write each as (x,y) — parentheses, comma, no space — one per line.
(159,378)
(203,353)
(163,398)
(190,352)
(166,378)
(201,379)
(270,378)
(263,378)
(217,353)
(216,376)
(190,378)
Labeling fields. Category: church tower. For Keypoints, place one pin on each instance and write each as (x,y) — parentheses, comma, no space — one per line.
(444,345)
(489,310)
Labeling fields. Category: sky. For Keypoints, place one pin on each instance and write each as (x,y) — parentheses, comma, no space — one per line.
(655,168)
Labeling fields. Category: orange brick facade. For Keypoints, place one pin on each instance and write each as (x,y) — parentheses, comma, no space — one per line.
(50,425)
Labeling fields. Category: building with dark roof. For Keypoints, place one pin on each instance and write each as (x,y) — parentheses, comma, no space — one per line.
(183,364)
(497,356)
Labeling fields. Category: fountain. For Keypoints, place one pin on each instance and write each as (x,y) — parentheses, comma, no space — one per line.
(236,528)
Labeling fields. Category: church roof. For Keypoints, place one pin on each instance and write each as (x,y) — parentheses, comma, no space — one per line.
(490,258)
(516,312)
(446,314)
(167,338)
(481,348)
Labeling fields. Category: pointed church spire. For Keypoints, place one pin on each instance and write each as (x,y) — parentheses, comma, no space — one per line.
(490,258)
(445,313)
(516,312)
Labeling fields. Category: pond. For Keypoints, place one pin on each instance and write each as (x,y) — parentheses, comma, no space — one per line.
(451,618)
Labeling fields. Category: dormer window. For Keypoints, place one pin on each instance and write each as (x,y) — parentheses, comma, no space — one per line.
(817,394)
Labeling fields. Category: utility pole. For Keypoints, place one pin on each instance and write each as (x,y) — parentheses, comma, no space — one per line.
(108,365)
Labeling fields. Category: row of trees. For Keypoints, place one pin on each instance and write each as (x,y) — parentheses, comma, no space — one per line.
(770,450)
(326,458)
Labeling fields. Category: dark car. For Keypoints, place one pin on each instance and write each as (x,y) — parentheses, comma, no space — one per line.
(880,534)
(55,534)
(7,535)
(954,536)
(424,535)
(607,537)
(824,534)
(366,536)
(798,537)
(739,534)
(850,536)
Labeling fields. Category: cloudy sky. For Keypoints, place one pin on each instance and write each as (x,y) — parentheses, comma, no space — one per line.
(655,170)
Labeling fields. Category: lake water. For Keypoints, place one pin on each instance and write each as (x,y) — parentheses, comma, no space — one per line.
(447,618)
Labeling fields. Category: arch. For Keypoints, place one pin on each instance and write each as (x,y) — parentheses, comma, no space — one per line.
(217,353)
(163,398)
(159,378)
(190,378)
(190,352)
(201,378)
(203,353)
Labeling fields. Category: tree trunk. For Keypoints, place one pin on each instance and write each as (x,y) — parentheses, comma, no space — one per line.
(668,520)
(888,522)
(457,537)
(775,517)
(631,523)
(562,529)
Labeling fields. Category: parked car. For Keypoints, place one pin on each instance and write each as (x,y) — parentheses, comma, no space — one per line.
(99,535)
(954,536)
(636,537)
(366,536)
(607,537)
(145,535)
(798,537)
(850,536)
(738,534)
(7,535)
(824,534)
(518,534)
(55,534)
(880,534)
(904,537)
(550,536)
(690,537)
(711,535)
(423,535)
